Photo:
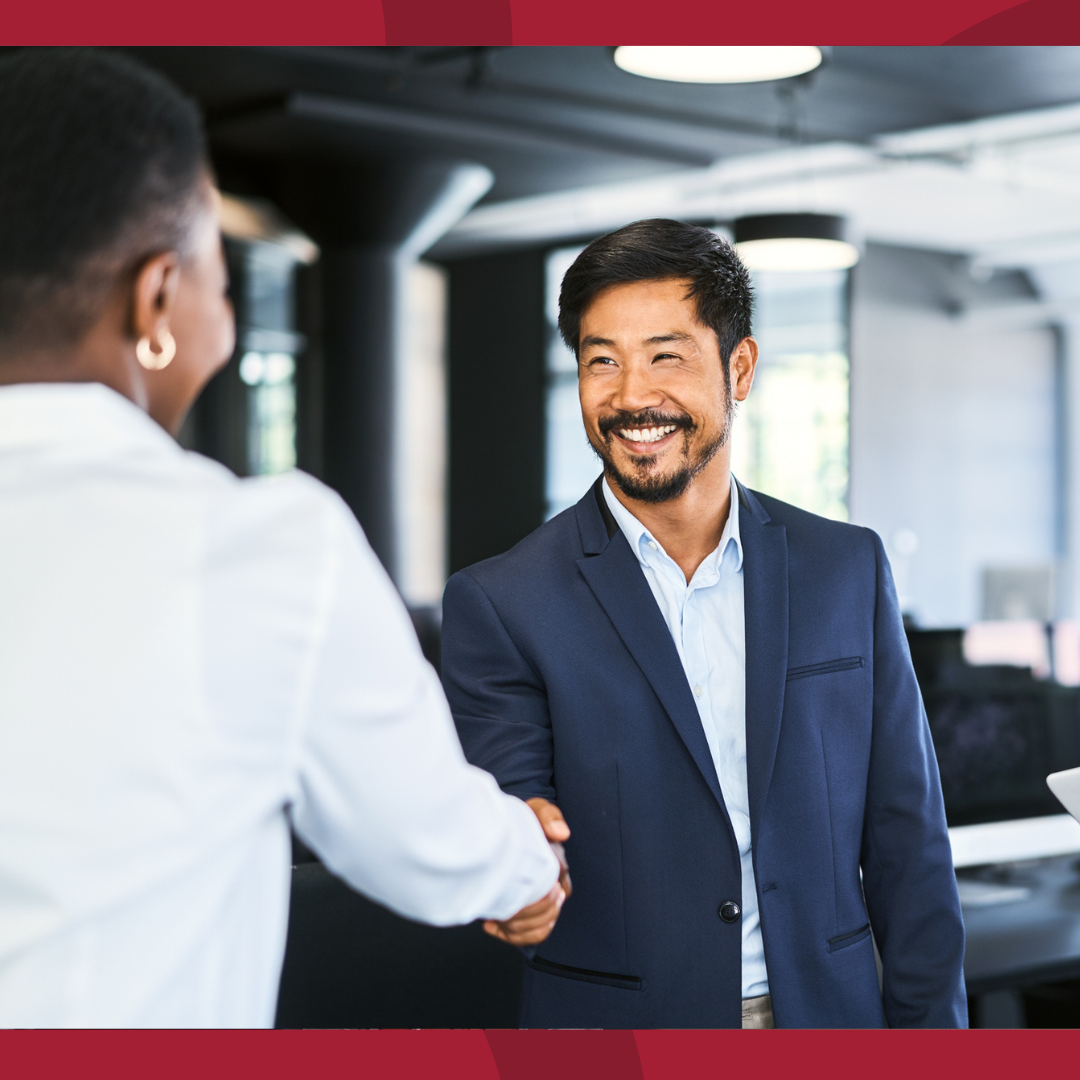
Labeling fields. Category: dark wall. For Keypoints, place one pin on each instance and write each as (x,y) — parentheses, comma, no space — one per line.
(350,963)
(497,344)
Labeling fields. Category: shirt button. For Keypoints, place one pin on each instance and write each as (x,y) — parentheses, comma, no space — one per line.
(699,690)
(652,544)
(729,911)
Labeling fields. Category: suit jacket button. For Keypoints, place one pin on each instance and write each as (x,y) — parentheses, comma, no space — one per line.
(729,911)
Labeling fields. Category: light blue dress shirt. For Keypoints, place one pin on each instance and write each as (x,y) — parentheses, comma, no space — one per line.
(707,623)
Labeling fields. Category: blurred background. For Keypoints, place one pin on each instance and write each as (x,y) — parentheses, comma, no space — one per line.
(398,221)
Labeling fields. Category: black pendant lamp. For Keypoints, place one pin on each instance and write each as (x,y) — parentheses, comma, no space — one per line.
(795,242)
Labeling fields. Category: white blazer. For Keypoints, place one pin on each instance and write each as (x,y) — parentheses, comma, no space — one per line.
(183,656)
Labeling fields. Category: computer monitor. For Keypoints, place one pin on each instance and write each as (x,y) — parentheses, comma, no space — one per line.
(997,733)
(995,747)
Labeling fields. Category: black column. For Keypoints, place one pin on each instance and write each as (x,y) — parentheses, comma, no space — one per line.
(358,295)
(498,340)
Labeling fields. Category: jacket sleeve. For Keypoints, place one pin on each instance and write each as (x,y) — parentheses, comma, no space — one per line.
(497,697)
(908,875)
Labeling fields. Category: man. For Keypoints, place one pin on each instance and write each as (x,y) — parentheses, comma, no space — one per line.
(186,658)
(715,689)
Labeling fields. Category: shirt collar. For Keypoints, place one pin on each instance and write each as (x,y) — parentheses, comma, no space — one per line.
(636,533)
(41,415)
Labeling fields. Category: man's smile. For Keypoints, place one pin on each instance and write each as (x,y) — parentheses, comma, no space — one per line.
(651,435)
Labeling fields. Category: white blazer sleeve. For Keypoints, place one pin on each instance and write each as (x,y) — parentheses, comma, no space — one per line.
(385,795)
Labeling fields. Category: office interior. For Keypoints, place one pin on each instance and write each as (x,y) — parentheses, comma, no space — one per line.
(397,221)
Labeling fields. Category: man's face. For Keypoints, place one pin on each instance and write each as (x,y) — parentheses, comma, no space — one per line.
(655,398)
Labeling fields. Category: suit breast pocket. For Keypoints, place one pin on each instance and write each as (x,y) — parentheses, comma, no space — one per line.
(827,667)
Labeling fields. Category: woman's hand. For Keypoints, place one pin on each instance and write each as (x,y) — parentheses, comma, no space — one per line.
(533,924)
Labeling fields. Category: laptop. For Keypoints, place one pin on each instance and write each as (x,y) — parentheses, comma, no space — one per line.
(1066,786)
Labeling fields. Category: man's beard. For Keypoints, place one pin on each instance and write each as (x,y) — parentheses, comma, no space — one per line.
(640,484)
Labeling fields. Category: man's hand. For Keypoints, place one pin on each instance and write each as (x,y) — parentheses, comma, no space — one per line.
(532,925)
(550,817)
(556,830)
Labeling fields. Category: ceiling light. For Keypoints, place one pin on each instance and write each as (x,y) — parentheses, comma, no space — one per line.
(717,63)
(794,242)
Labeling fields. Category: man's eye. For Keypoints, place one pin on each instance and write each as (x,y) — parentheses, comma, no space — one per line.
(599,360)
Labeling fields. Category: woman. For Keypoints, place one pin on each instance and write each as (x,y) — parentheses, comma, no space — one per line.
(185,655)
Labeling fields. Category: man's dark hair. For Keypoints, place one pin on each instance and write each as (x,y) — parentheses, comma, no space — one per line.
(657,250)
(101,162)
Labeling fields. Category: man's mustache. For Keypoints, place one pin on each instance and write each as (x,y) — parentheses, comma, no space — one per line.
(648,418)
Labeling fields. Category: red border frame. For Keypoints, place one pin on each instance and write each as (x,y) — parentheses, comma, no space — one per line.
(536,1055)
(535,22)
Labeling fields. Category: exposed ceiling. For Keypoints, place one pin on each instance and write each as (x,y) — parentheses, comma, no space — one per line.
(551,118)
(891,136)
(1001,194)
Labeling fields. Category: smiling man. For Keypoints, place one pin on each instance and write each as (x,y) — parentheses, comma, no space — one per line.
(712,689)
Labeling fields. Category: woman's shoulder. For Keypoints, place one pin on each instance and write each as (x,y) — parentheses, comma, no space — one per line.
(289,512)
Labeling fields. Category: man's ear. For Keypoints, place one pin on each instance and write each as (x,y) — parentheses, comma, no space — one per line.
(743,362)
(153,295)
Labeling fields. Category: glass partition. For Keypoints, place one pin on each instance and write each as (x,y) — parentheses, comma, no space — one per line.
(791,435)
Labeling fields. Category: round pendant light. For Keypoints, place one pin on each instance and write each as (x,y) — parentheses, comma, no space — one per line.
(794,242)
(718,63)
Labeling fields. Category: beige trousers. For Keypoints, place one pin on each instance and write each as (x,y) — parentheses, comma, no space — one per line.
(757,1012)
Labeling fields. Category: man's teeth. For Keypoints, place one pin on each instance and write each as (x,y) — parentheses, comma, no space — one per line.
(652,434)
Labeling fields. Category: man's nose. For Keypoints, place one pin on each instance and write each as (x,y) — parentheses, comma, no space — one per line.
(637,390)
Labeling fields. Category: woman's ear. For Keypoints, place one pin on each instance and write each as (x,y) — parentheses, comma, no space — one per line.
(153,297)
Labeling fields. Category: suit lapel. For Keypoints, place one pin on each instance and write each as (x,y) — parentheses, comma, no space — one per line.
(765,599)
(615,577)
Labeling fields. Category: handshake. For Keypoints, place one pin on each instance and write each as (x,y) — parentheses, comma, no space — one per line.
(532,924)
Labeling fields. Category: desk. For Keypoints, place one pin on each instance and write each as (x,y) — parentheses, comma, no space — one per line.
(1032,940)
(1024,942)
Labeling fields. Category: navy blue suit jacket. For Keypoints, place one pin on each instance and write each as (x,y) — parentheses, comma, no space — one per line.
(565,683)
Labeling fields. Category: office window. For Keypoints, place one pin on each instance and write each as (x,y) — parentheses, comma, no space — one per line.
(266,315)
(246,416)
(270,377)
(791,436)
(420,435)
(571,464)
(790,439)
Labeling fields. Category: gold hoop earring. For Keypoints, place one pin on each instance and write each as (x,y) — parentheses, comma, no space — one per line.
(155,361)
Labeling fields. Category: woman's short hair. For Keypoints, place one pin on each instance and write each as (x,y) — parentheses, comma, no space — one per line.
(658,250)
(101,162)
